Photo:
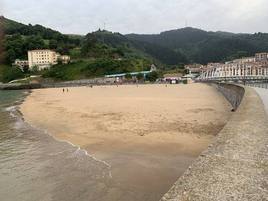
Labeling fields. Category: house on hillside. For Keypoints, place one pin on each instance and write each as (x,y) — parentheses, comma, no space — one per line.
(22,64)
(41,59)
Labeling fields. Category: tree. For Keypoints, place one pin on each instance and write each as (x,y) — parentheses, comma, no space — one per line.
(11,55)
(35,42)
(128,76)
(11,73)
(153,76)
(14,47)
(35,69)
(53,44)
(1,40)
(140,76)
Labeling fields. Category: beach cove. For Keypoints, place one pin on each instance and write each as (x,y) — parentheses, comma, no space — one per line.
(148,134)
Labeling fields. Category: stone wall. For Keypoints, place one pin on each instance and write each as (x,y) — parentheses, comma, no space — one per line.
(19,86)
(235,165)
(233,93)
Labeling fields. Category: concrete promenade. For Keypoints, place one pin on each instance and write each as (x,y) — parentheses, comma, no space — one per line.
(263,93)
(235,166)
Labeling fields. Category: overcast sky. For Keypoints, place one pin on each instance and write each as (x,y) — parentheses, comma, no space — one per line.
(140,16)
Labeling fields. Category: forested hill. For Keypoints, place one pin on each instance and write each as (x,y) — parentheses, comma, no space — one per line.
(175,47)
(202,47)
(1,41)
(130,47)
(20,38)
(96,54)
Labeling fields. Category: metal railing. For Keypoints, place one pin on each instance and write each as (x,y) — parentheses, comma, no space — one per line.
(258,85)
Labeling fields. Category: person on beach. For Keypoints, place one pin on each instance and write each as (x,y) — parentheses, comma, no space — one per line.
(63,90)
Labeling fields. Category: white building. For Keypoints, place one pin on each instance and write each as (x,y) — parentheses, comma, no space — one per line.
(194,68)
(236,70)
(244,60)
(263,56)
(45,59)
(244,68)
(22,64)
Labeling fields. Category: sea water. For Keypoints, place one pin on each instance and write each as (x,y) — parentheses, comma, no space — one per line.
(36,167)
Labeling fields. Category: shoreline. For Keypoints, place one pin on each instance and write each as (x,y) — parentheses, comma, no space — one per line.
(69,84)
(120,153)
(45,131)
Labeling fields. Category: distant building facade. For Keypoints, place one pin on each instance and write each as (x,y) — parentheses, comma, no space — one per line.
(194,68)
(65,59)
(172,78)
(22,64)
(45,59)
(243,60)
(261,56)
(248,67)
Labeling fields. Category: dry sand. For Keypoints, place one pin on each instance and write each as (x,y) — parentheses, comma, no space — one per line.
(148,134)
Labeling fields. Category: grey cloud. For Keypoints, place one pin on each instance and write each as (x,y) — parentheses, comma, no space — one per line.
(147,16)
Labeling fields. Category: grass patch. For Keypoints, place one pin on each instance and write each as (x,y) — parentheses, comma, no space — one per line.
(9,73)
(95,68)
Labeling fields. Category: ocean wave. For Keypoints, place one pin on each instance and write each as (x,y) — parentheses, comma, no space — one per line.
(20,124)
(13,111)
(10,108)
(78,150)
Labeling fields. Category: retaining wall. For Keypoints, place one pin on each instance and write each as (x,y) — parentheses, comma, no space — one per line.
(233,93)
(19,86)
(235,165)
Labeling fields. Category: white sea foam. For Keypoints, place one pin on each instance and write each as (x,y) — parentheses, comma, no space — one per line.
(19,124)
(78,149)
(10,109)
(13,111)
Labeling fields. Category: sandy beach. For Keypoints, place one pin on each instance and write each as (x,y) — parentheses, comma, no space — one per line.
(149,134)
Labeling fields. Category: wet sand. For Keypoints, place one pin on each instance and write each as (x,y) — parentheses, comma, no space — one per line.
(148,134)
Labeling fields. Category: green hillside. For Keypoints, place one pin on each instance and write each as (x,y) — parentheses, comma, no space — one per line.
(20,38)
(202,47)
(103,52)
(121,46)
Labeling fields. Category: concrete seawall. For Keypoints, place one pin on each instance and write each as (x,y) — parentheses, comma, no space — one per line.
(233,93)
(235,166)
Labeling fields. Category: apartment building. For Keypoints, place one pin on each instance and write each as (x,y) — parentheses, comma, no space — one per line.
(243,60)
(261,56)
(45,58)
(235,70)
